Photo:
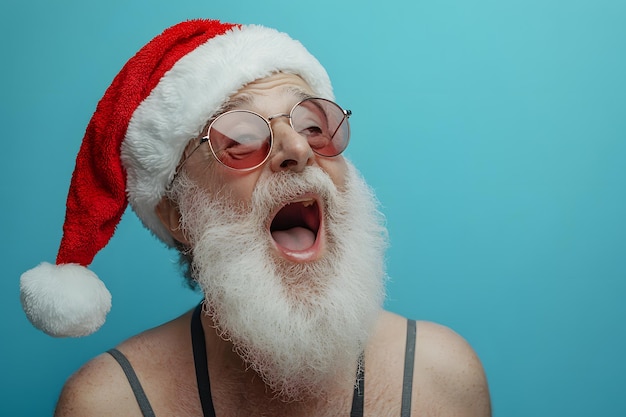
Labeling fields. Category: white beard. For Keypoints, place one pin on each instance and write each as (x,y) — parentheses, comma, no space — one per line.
(300,326)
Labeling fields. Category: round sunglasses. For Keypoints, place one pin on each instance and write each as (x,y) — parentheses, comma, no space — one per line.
(242,140)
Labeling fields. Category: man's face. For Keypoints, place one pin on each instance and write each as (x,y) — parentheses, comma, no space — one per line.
(289,256)
(295,227)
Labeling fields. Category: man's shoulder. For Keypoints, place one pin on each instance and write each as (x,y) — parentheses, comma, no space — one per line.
(450,371)
(447,372)
(437,347)
(100,386)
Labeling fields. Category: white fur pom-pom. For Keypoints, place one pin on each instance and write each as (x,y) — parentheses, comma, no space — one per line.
(64,300)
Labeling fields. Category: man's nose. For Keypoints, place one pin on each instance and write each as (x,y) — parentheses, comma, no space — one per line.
(291,150)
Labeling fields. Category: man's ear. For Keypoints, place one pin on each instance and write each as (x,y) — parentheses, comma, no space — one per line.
(169,215)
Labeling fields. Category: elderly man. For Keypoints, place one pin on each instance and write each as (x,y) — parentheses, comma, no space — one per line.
(227,143)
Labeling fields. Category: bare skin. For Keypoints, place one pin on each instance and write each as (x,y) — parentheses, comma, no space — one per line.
(448,378)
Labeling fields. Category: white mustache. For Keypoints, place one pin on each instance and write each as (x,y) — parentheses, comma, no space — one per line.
(287,186)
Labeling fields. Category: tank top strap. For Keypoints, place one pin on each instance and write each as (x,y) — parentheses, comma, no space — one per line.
(409,362)
(359,390)
(131,375)
(200,361)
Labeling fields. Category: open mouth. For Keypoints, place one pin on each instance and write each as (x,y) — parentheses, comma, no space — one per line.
(295,228)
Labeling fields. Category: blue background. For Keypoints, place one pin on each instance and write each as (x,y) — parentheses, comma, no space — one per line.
(494,133)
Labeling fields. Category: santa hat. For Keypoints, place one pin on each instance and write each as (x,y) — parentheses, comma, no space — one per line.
(160,100)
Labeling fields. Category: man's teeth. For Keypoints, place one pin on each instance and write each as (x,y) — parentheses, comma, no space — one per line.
(305,202)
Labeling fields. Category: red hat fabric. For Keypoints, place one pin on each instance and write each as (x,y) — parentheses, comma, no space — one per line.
(159,101)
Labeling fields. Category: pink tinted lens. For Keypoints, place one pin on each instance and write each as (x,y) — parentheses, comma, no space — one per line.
(240,139)
(324,124)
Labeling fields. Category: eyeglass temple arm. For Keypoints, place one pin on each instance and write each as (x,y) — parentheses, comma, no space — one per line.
(179,168)
(346,115)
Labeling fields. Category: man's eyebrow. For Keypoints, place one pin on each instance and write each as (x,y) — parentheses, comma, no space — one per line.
(298,92)
(248,99)
(235,102)
(229,105)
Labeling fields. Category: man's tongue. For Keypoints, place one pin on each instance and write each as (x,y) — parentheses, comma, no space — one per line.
(295,239)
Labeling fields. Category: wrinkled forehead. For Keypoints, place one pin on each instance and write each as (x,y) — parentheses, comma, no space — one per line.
(274,90)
